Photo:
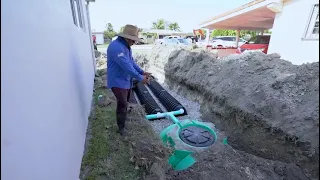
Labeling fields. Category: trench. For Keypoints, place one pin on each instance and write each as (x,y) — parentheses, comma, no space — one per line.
(246,134)
(246,137)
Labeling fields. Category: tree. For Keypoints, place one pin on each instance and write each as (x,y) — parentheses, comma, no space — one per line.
(174,26)
(109,27)
(267,31)
(109,33)
(225,32)
(159,24)
(247,35)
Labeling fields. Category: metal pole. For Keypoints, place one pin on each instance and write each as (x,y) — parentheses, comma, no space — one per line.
(237,38)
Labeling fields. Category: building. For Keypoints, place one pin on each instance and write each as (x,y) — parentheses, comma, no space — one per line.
(154,35)
(46,88)
(294,24)
(99,37)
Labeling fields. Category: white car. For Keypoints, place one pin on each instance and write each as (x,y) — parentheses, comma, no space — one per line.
(226,42)
(160,41)
(176,41)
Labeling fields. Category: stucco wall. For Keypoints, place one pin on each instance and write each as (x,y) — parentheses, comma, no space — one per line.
(46,89)
(288,31)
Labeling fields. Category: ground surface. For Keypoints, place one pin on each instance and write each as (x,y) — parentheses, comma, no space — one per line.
(106,150)
(267,106)
(255,151)
(109,156)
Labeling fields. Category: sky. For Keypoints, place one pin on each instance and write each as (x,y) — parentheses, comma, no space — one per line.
(187,13)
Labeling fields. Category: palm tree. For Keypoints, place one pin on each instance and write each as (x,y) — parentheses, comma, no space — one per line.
(174,26)
(159,24)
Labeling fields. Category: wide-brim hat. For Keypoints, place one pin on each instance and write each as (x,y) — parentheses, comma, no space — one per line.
(130,32)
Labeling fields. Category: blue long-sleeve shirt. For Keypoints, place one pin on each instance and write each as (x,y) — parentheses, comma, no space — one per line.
(121,67)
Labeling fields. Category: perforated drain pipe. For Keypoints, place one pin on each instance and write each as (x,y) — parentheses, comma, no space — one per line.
(171,115)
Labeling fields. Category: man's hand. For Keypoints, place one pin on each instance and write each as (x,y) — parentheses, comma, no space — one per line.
(145,79)
(147,74)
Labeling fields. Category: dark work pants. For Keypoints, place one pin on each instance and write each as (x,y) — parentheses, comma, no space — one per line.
(123,97)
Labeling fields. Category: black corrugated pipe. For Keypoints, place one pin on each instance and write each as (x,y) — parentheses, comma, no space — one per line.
(146,99)
(169,102)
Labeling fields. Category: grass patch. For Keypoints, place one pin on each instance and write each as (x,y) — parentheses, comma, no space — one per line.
(108,154)
(102,45)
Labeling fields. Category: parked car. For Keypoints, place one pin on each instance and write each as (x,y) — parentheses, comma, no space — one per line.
(176,41)
(226,42)
(260,43)
(160,41)
(193,38)
(183,41)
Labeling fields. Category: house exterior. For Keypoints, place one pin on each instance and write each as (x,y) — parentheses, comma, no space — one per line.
(99,37)
(294,24)
(46,88)
(295,36)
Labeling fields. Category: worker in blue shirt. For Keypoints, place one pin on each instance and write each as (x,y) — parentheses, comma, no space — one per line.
(121,69)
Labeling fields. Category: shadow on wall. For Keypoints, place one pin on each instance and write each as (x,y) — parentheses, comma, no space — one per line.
(79,78)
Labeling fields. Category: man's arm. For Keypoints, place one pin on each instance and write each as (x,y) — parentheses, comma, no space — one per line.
(124,63)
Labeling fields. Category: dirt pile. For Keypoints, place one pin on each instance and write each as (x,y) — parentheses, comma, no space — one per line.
(267,106)
(158,56)
(101,72)
(97,53)
(141,60)
(147,149)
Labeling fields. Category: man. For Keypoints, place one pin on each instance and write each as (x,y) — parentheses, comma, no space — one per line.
(121,69)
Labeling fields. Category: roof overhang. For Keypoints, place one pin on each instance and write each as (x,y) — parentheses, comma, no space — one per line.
(256,15)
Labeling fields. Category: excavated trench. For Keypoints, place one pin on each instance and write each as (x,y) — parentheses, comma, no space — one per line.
(267,107)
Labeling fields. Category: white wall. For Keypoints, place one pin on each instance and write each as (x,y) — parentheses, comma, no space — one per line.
(99,38)
(288,31)
(46,90)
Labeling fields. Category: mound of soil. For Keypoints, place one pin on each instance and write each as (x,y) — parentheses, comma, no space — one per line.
(267,106)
